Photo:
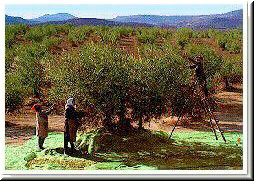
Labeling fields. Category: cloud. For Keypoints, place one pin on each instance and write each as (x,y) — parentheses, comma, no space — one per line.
(28,15)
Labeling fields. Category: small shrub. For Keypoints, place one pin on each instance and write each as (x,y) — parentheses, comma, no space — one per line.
(233,46)
(39,33)
(9,58)
(51,42)
(147,35)
(78,34)
(11,31)
(183,36)
(200,34)
(222,41)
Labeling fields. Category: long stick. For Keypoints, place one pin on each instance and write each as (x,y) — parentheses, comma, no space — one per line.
(175,126)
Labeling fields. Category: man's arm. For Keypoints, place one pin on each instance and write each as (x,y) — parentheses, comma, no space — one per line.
(192,60)
(68,113)
(193,66)
(49,109)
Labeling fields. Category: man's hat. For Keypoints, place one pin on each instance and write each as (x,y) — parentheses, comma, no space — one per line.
(70,102)
(36,107)
(199,58)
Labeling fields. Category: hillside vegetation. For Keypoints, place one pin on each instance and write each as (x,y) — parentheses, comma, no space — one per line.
(98,64)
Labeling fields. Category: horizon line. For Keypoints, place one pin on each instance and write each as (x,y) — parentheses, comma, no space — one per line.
(121,15)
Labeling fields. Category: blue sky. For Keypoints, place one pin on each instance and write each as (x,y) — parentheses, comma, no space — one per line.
(111,11)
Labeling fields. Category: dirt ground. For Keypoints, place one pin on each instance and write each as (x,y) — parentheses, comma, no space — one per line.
(21,127)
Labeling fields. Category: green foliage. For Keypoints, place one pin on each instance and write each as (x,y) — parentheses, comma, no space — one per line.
(102,31)
(15,91)
(201,34)
(50,42)
(147,35)
(230,40)
(236,34)
(78,34)
(232,68)
(24,73)
(35,34)
(125,31)
(30,156)
(9,58)
(165,33)
(111,38)
(183,36)
(150,35)
(233,46)
(153,51)
(212,33)
(222,40)
(28,66)
(9,37)
(63,28)
(11,31)
(110,35)
(96,74)
(150,51)
(38,33)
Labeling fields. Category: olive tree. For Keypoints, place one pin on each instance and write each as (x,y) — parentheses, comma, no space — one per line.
(232,70)
(114,82)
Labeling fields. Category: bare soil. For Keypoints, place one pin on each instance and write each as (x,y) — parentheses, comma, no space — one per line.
(21,127)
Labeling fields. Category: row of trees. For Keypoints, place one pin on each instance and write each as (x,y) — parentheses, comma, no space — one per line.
(229,40)
(104,76)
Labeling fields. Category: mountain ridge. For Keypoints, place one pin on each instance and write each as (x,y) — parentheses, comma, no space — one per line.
(232,19)
(54,17)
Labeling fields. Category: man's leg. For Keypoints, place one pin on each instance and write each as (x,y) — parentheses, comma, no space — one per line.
(72,147)
(40,143)
(65,142)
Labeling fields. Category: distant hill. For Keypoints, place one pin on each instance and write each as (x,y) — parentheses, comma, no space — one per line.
(54,17)
(153,19)
(69,19)
(232,14)
(233,19)
(86,21)
(96,22)
(17,20)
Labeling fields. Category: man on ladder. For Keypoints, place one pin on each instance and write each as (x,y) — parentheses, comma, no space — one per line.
(200,86)
(200,73)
